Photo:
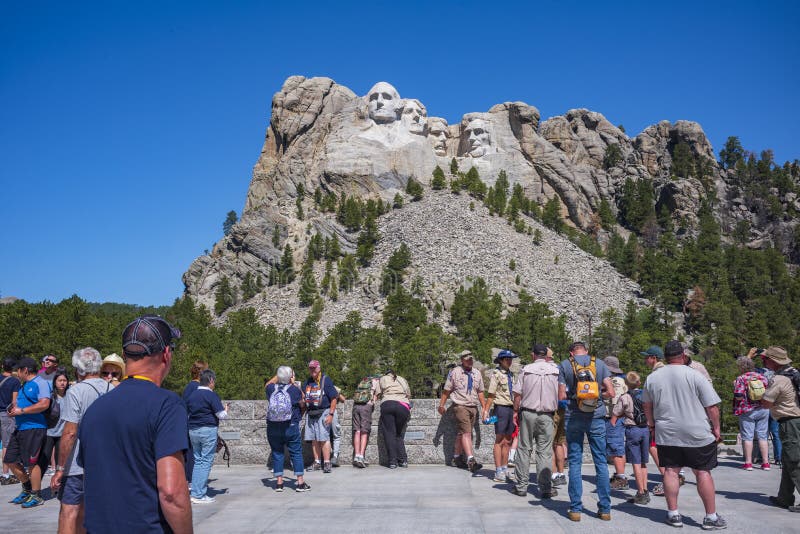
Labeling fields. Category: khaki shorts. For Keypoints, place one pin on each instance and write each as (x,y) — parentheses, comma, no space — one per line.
(559,420)
(465,418)
(362,417)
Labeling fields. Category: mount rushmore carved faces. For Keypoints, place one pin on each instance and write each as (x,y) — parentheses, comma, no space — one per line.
(438,133)
(479,139)
(414,116)
(383,103)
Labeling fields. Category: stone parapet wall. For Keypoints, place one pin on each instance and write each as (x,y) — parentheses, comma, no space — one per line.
(429,437)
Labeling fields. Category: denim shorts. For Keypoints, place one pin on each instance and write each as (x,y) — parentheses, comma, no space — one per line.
(754,423)
(316,429)
(637,441)
(615,438)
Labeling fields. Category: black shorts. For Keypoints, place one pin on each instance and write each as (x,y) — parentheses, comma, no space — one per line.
(25,448)
(701,458)
(505,420)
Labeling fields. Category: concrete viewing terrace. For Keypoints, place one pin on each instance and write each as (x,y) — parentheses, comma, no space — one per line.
(439,499)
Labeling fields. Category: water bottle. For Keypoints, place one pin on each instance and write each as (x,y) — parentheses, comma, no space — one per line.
(492,419)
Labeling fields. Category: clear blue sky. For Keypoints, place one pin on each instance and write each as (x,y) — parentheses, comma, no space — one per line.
(129,129)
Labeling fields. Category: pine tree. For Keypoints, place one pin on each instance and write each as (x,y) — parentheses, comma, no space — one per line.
(286,269)
(308,292)
(225,296)
(612,156)
(397,202)
(682,160)
(437,181)
(454,167)
(455,186)
(367,239)
(325,286)
(551,216)
(332,248)
(394,272)
(230,220)
(348,272)
(537,237)
(414,188)
(607,219)
(334,293)
(731,153)
(276,236)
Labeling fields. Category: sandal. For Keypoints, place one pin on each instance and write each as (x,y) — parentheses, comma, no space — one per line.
(658,490)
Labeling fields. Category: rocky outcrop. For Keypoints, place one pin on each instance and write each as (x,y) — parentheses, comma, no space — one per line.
(324,136)
(452,245)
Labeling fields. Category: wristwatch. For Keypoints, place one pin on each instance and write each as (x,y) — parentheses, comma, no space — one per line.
(59,468)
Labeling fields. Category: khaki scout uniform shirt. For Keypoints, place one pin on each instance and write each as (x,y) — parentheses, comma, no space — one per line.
(498,386)
(781,393)
(456,384)
(624,409)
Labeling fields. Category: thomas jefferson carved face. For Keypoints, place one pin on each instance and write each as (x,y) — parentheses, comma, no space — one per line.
(383,102)
(437,133)
(414,116)
(479,139)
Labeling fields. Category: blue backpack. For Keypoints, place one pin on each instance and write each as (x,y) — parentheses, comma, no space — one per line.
(280,404)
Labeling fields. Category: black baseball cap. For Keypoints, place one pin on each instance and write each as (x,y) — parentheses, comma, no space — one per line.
(27,363)
(539,348)
(673,348)
(146,335)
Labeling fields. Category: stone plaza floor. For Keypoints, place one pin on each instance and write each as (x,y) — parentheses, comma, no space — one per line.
(439,499)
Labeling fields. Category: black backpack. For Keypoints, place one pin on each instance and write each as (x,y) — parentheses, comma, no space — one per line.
(794,375)
(639,417)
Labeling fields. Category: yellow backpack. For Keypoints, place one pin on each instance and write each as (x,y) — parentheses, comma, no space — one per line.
(587,390)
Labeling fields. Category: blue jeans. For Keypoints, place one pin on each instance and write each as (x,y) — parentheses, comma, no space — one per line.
(578,427)
(281,435)
(204,444)
(777,445)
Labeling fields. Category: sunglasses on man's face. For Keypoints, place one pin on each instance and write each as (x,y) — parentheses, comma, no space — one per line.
(51,361)
(113,374)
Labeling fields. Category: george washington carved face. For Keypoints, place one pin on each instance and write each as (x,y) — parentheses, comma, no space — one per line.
(383,102)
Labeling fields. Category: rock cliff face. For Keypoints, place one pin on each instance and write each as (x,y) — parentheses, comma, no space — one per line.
(322,135)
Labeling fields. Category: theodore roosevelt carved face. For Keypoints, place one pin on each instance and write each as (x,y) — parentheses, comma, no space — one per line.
(437,133)
(383,102)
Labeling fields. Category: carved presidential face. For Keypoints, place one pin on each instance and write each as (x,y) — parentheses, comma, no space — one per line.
(437,133)
(383,102)
(414,116)
(479,140)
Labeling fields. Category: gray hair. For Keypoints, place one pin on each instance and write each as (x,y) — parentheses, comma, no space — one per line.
(207,376)
(284,374)
(87,361)
(745,364)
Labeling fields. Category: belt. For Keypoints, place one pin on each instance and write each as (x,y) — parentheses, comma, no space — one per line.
(536,411)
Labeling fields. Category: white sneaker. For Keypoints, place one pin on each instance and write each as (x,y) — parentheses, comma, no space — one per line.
(205,499)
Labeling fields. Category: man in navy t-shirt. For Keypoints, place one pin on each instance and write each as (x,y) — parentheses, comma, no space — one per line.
(133,440)
(320,397)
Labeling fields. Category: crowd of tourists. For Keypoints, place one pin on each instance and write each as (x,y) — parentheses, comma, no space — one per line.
(114,434)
